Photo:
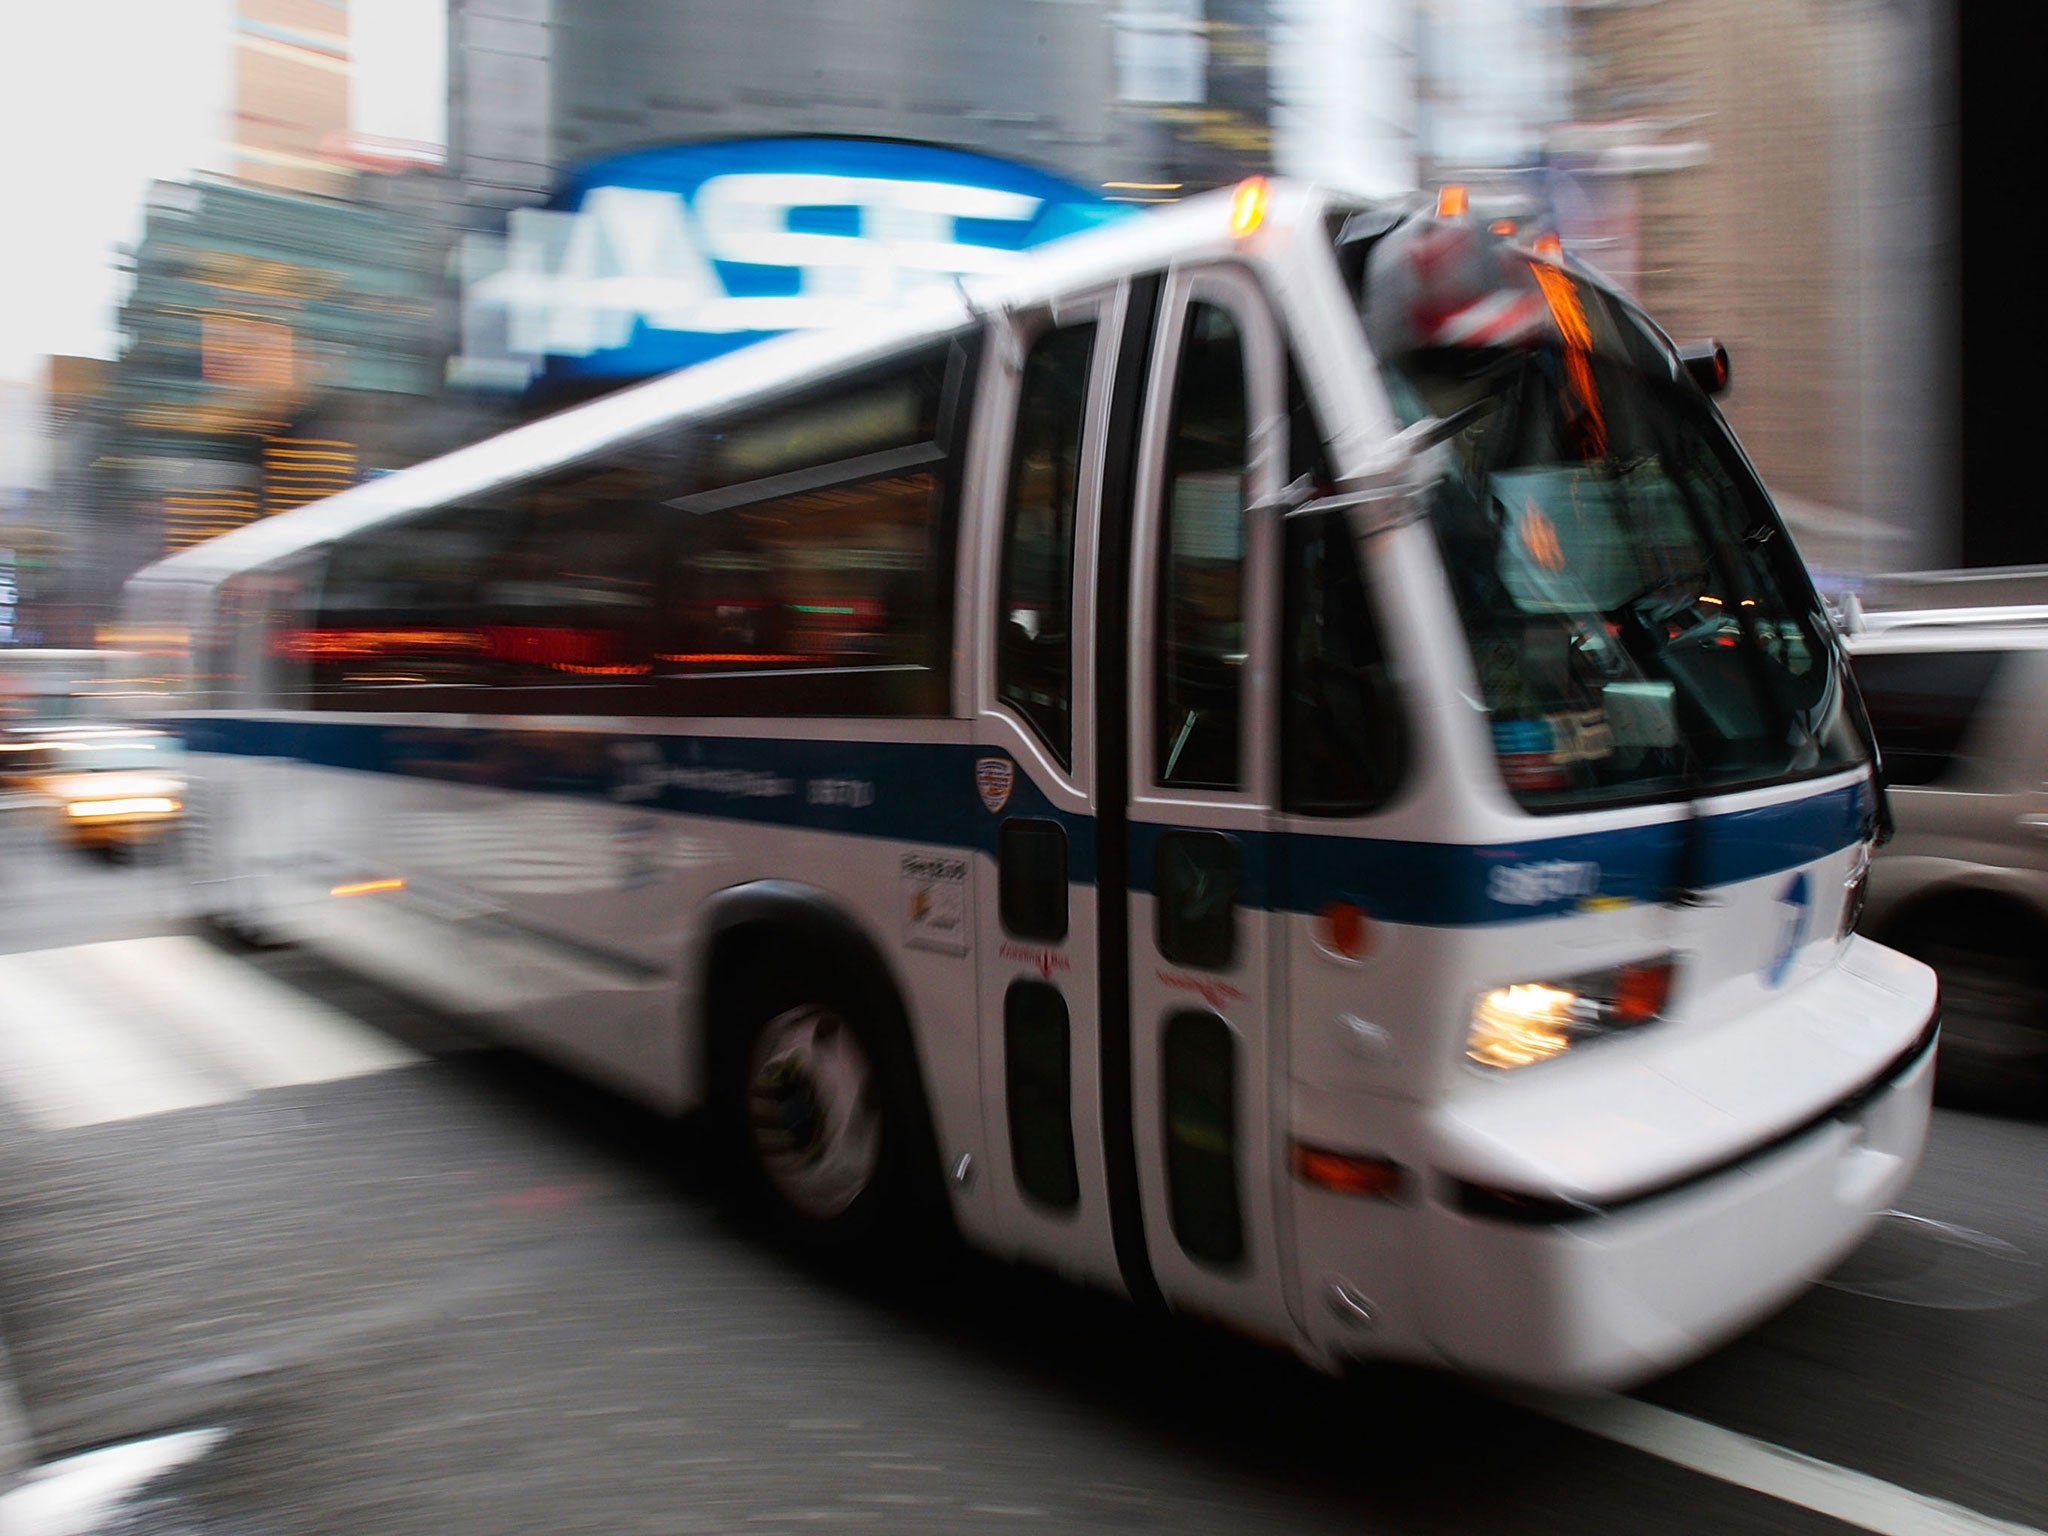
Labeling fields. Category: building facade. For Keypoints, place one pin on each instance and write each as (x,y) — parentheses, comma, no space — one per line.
(292,76)
(277,346)
(1775,175)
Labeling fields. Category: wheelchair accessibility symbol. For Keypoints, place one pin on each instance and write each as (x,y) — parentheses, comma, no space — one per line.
(1795,908)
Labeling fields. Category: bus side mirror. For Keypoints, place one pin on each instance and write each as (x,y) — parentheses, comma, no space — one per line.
(1707,362)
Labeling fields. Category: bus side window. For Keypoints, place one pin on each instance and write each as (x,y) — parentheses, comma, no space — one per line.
(568,599)
(811,559)
(397,610)
(1034,614)
(546,587)
(1342,742)
(1201,588)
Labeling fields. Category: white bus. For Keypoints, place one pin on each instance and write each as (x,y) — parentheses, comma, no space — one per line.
(1278,761)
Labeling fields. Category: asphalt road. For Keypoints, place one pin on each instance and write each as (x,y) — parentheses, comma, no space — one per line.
(437,1288)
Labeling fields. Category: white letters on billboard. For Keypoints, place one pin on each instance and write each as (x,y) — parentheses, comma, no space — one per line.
(570,284)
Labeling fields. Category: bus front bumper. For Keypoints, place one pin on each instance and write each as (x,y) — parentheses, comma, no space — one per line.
(1597,1226)
(1555,1295)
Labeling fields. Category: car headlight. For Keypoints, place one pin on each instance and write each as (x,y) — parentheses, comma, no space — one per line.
(1531,1021)
(133,805)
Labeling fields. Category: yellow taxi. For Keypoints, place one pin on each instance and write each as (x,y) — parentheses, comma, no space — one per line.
(112,787)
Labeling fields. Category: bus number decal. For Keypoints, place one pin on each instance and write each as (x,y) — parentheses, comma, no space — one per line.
(856,793)
(1545,881)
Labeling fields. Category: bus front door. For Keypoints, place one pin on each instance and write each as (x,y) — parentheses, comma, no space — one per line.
(1207,1063)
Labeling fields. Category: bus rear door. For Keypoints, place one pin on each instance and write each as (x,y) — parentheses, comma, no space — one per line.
(1057,377)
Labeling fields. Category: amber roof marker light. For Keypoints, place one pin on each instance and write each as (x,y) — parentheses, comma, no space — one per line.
(1248,205)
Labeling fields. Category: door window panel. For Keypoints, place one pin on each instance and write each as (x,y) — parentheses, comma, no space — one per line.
(1035,640)
(1196,881)
(1037,1059)
(1201,624)
(1199,1057)
(1032,878)
(1341,737)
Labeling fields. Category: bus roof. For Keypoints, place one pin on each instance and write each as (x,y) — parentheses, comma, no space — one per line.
(1192,230)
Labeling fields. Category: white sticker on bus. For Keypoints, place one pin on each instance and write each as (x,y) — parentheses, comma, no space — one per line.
(935,902)
(1538,884)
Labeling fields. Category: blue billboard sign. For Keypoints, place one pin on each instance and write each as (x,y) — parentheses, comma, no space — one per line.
(660,258)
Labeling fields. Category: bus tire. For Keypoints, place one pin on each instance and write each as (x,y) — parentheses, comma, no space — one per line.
(818,1109)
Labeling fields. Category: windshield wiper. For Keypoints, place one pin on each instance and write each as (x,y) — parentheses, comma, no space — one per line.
(1421,436)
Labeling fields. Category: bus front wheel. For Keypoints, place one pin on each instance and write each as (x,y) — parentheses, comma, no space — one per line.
(814,1119)
(814,1112)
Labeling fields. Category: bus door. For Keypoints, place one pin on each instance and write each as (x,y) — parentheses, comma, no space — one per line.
(1207,1061)
(1051,380)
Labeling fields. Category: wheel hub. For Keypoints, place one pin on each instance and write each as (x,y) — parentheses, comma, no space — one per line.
(814,1111)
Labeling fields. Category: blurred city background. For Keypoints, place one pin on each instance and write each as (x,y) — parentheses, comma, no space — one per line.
(263,249)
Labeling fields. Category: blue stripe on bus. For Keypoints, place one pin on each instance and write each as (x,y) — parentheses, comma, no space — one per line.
(927,792)
(1456,885)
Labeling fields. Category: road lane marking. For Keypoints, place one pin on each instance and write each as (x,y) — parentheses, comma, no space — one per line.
(82,1494)
(1855,1498)
(69,1062)
(114,1031)
(266,1033)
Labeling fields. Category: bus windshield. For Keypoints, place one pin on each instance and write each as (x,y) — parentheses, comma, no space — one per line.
(1639,622)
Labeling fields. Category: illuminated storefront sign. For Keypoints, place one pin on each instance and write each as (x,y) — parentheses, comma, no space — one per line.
(661,258)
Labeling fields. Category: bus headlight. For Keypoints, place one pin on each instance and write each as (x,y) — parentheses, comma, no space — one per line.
(1531,1021)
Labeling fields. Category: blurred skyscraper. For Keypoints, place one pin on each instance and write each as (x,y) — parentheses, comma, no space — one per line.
(283,327)
(535,85)
(291,93)
(1174,95)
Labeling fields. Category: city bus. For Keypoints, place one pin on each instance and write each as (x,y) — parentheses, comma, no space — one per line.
(1275,759)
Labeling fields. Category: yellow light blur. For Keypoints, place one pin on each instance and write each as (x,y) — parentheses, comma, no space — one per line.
(1248,206)
(135,805)
(1514,1026)
(1451,201)
(366,887)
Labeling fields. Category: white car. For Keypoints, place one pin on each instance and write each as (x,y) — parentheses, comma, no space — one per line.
(1959,701)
